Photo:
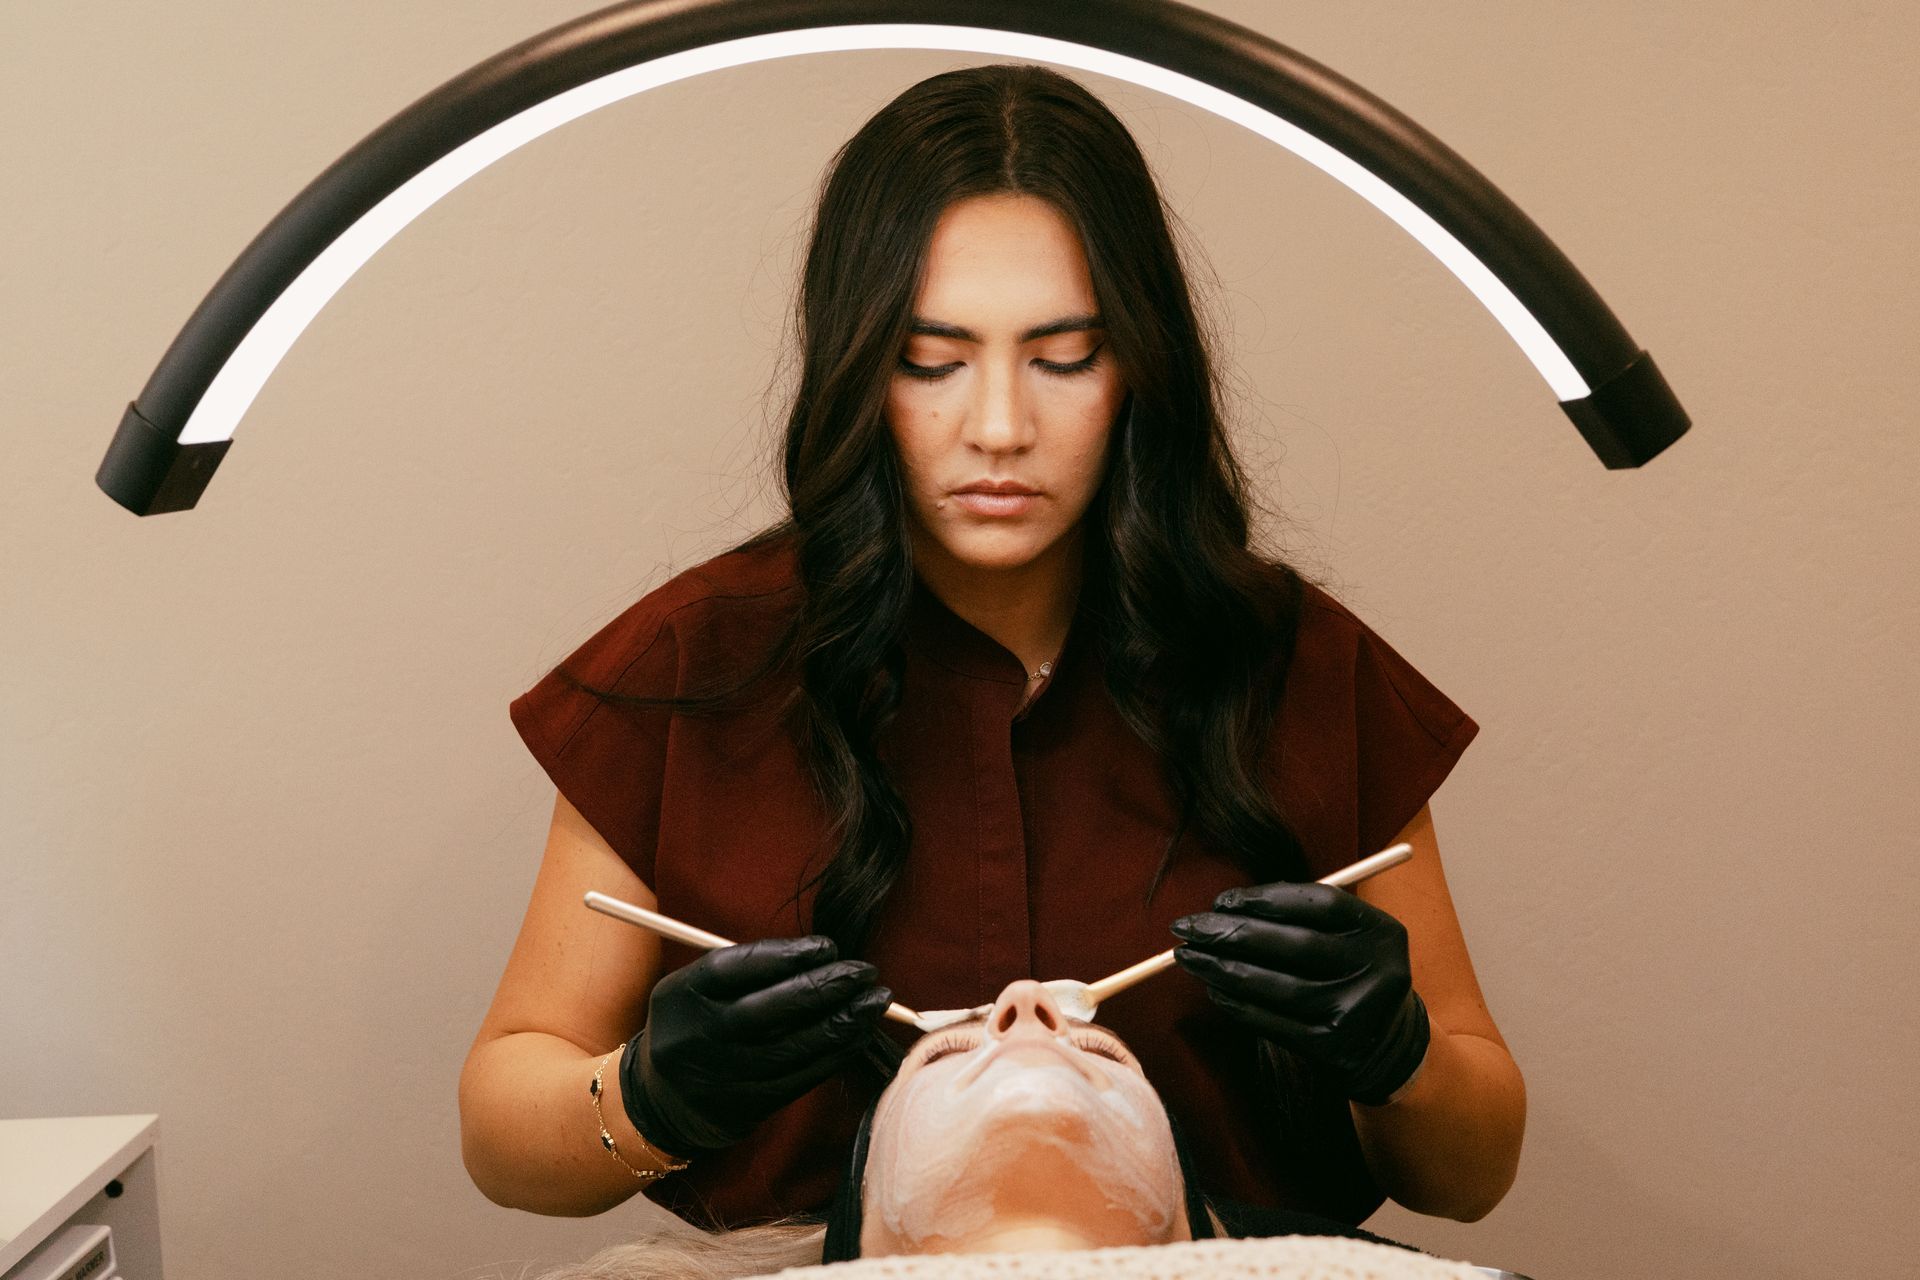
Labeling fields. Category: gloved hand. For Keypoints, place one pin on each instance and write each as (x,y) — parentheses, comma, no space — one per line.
(1320,972)
(739,1033)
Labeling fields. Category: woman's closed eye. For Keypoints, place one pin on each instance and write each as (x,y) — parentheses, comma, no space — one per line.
(1087,1039)
(949,1042)
(933,373)
(1096,1042)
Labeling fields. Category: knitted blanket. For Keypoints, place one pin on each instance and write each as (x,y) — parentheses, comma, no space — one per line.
(1279,1258)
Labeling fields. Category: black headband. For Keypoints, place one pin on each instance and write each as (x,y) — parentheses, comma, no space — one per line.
(843,1215)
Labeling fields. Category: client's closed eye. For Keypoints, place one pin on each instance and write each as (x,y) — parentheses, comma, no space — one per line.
(1084,1038)
(1095,1042)
(951,1042)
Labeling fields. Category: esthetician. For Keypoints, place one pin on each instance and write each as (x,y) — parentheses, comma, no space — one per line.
(1007,694)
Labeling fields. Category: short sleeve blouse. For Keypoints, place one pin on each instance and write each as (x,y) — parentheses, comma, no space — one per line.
(1038,824)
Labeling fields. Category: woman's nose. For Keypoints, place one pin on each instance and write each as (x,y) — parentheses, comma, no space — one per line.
(1025,1008)
(998,421)
(997,432)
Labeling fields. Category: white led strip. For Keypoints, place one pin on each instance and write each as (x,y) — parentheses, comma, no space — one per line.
(233,389)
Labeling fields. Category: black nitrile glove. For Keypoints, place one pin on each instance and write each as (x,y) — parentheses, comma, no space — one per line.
(1320,972)
(741,1032)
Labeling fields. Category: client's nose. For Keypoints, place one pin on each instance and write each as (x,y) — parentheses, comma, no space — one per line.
(1025,1008)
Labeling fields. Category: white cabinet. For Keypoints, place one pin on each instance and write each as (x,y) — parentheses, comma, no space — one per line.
(79,1171)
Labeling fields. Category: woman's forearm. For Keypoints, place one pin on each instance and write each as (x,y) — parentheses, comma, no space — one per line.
(527,1130)
(1449,1143)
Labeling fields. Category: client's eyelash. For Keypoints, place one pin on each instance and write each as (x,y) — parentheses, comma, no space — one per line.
(1094,1042)
(951,1042)
(955,1041)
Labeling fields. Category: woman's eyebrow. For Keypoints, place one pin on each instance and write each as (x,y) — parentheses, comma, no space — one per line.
(1065,324)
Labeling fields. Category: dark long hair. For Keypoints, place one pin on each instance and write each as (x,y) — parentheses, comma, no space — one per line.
(1195,628)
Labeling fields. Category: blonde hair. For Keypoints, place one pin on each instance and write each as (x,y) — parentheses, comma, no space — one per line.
(703,1255)
(720,1255)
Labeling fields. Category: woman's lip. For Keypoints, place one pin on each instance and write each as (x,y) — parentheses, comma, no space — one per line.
(987,503)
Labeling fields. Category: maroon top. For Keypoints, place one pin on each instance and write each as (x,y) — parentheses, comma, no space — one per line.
(1036,832)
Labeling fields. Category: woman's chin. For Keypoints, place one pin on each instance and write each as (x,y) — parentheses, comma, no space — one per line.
(999,545)
(1029,1194)
(995,554)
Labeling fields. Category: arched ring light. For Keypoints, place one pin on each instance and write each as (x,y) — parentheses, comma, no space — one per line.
(174,434)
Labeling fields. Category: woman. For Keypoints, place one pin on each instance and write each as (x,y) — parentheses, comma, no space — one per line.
(1006,696)
(1025,1134)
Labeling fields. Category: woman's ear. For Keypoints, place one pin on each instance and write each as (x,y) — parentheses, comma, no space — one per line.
(844,1217)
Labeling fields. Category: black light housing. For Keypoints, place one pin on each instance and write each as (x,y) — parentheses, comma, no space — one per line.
(175,433)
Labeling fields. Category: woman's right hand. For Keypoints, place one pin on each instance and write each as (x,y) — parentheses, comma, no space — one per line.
(741,1032)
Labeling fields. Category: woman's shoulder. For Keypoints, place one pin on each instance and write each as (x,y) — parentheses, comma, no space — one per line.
(1322,610)
(1341,666)
(1330,628)
(764,569)
(721,602)
(1307,623)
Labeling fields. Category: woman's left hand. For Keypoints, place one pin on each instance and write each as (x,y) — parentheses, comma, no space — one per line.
(1318,970)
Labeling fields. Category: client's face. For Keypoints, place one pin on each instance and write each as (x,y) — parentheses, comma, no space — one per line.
(1025,1117)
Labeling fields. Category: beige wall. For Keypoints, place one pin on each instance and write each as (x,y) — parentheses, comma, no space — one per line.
(266,829)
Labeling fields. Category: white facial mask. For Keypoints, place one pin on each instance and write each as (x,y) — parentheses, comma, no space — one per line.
(1029,1131)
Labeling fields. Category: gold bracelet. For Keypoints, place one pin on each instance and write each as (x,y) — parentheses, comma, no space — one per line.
(606,1139)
